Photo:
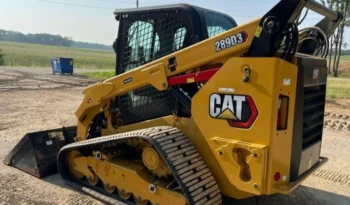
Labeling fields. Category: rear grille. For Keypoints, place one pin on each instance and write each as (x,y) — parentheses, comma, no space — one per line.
(313,112)
(308,114)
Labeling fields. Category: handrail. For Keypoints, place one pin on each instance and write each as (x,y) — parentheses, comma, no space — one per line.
(324,11)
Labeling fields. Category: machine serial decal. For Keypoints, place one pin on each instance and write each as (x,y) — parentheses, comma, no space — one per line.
(239,110)
(128,80)
(231,41)
(228,90)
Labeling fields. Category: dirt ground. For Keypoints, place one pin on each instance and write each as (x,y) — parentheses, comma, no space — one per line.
(34,99)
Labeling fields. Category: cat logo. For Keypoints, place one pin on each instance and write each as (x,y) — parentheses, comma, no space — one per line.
(316,74)
(239,110)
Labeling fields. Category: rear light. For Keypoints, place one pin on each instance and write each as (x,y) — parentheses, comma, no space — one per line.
(282,113)
(279,114)
(277,176)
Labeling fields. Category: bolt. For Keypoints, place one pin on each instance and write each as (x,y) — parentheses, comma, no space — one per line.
(246,71)
(270,24)
(164,85)
(255,185)
(255,155)
(245,79)
(152,188)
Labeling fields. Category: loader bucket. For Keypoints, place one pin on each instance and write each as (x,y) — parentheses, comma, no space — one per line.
(36,153)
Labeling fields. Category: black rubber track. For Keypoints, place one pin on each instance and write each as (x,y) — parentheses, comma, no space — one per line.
(187,166)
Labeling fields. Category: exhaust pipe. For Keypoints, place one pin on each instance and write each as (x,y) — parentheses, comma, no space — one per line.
(36,153)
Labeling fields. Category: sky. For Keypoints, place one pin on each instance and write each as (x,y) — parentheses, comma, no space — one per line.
(93,20)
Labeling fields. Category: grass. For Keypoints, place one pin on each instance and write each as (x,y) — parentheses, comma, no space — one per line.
(338,88)
(33,55)
(345,58)
(101,75)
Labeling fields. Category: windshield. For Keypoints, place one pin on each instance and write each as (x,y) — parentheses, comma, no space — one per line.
(149,40)
(217,24)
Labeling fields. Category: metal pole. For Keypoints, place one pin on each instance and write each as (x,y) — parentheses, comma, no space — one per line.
(320,9)
(137,34)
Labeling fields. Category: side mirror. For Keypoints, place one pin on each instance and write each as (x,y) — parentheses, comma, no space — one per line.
(115,45)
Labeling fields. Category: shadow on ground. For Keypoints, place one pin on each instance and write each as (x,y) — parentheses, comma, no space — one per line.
(301,196)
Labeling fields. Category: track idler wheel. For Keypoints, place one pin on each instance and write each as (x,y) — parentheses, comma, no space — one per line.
(140,201)
(109,189)
(154,163)
(71,157)
(123,194)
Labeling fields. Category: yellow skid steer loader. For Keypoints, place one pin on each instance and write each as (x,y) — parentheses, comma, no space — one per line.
(199,108)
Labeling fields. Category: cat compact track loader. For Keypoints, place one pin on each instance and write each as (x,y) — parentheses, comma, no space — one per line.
(199,108)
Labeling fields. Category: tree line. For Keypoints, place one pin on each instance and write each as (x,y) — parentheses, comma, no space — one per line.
(49,39)
(79,44)
(39,38)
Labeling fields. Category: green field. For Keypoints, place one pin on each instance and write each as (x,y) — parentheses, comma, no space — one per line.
(338,88)
(345,58)
(100,75)
(33,55)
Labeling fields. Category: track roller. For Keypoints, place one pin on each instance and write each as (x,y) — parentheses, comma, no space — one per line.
(93,180)
(109,189)
(123,194)
(140,201)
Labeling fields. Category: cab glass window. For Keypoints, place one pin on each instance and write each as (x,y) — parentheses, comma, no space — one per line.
(217,24)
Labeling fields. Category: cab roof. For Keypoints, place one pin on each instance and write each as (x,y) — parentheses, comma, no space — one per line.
(194,10)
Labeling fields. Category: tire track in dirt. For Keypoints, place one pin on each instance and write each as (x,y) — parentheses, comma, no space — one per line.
(15,189)
(15,80)
(339,122)
(342,179)
(7,197)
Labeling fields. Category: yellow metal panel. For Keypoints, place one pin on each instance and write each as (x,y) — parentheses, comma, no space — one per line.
(265,86)
(244,163)
(281,141)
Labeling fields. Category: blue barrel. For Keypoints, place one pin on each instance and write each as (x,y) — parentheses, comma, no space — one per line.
(62,65)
